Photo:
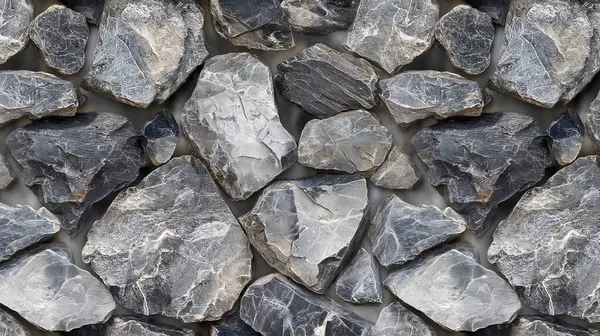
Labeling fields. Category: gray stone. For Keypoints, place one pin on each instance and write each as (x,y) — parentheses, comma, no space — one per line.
(260,24)
(324,81)
(395,320)
(231,122)
(130,326)
(481,162)
(180,251)
(91,9)
(14,23)
(10,326)
(232,325)
(592,122)
(497,9)
(161,135)
(359,282)
(309,229)
(396,172)
(400,231)
(452,289)
(528,326)
(275,306)
(320,17)
(6,173)
(350,142)
(392,33)
(73,163)
(415,95)
(46,288)
(566,137)
(139,59)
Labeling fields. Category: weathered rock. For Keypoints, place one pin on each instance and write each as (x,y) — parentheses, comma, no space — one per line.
(392,33)
(130,326)
(161,135)
(359,283)
(140,58)
(232,325)
(6,173)
(320,17)
(180,250)
(10,326)
(566,137)
(414,95)
(46,288)
(351,142)
(261,24)
(232,124)
(592,122)
(324,81)
(395,320)
(14,23)
(402,231)
(481,162)
(309,229)
(275,306)
(73,163)
(396,172)
(527,326)
(91,9)
(496,9)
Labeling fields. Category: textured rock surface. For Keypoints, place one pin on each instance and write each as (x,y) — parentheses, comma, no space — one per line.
(10,326)
(273,305)
(161,135)
(72,163)
(497,9)
(126,326)
(359,282)
(401,231)
(140,59)
(481,162)
(395,40)
(527,326)
(308,229)
(320,17)
(180,250)
(414,95)
(395,320)
(351,142)
(592,122)
(46,288)
(231,122)
(396,172)
(14,23)
(91,9)
(566,137)
(325,82)
(232,325)
(6,173)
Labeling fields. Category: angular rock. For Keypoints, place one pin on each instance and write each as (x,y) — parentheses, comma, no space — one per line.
(261,24)
(526,326)
(395,320)
(6,173)
(566,137)
(309,229)
(10,326)
(592,122)
(400,231)
(46,288)
(481,162)
(392,33)
(231,122)
(467,36)
(139,59)
(14,23)
(350,142)
(181,251)
(325,82)
(320,17)
(232,325)
(396,172)
(452,289)
(161,135)
(414,95)
(275,306)
(496,9)
(359,283)
(91,9)
(125,326)
(73,163)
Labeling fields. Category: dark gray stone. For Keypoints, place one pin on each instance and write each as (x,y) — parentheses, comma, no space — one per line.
(359,282)
(232,325)
(497,9)
(6,173)
(10,326)
(14,23)
(320,17)
(396,172)
(130,326)
(161,135)
(395,320)
(91,9)
(527,326)
(566,137)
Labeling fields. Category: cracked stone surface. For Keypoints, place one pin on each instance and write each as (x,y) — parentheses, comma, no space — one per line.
(231,122)
(320,17)
(592,122)
(309,229)
(161,135)
(124,326)
(324,81)
(396,172)
(392,41)
(496,9)
(139,59)
(401,231)
(73,163)
(91,9)
(7,176)
(526,326)
(415,95)
(566,137)
(467,36)
(351,142)
(185,254)
(359,282)
(470,160)
(258,24)
(14,24)
(452,289)
(61,35)
(273,305)
(232,325)
(395,320)
(46,288)
(10,326)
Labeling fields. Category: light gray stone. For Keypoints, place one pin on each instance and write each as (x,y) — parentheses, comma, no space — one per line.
(6,173)
(535,326)
(592,122)
(130,326)
(359,282)
(161,135)
(320,17)
(566,137)
(14,23)
(396,172)
(91,9)
(395,320)
(497,9)
(10,326)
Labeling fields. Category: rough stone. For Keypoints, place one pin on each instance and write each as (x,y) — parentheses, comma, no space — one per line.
(146,49)
(415,95)
(73,163)
(400,231)
(359,283)
(309,229)
(130,326)
(566,137)
(14,24)
(392,33)
(231,122)
(527,326)
(6,173)
(275,306)
(350,142)
(180,251)
(10,326)
(481,162)
(232,325)
(592,122)
(496,9)
(161,135)
(396,172)
(320,17)
(91,9)
(395,320)
(324,81)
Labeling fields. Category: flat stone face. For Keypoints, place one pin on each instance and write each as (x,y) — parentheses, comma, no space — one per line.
(415,95)
(359,282)
(91,9)
(320,17)
(566,137)
(325,82)
(181,251)
(350,142)
(161,135)
(496,9)
(46,288)
(396,172)
(452,289)
(273,305)
(72,163)
(592,122)
(139,59)
(129,326)
(401,231)
(393,40)
(481,162)
(526,326)
(10,326)
(308,229)
(395,320)
(6,173)
(232,325)
(14,23)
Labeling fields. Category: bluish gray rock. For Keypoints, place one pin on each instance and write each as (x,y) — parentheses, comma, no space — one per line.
(566,137)
(359,282)
(14,23)
(232,325)
(91,9)
(497,9)
(10,326)
(396,172)
(320,17)
(6,173)
(527,326)
(395,320)
(161,135)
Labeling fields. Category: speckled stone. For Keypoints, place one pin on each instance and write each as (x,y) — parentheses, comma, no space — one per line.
(14,25)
